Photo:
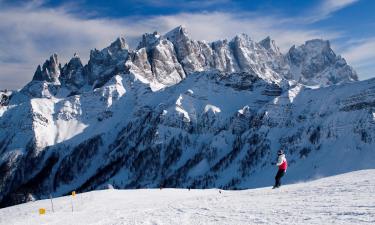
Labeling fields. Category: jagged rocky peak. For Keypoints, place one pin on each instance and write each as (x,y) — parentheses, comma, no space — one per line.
(315,63)
(155,62)
(164,60)
(72,72)
(4,97)
(270,45)
(243,42)
(118,48)
(50,71)
(106,63)
(244,38)
(149,40)
(161,62)
(316,48)
(317,45)
(119,44)
(193,55)
(75,62)
(177,33)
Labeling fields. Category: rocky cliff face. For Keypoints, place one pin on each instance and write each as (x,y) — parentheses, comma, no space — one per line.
(315,63)
(176,112)
(5,97)
(50,71)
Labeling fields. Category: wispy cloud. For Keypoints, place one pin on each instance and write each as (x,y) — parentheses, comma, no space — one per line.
(190,4)
(362,54)
(29,34)
(326,8)
(219,25)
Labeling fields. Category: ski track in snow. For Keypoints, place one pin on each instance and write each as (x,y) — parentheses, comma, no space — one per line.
(342,199)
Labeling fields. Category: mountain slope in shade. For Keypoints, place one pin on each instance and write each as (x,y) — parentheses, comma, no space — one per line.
(176,112)
(344,199)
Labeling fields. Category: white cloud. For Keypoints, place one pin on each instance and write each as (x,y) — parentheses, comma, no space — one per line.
(362,55)
(334,5)
(219,25)
(12,75)
(361,52)
(327,8)
(30,34)
(191,4)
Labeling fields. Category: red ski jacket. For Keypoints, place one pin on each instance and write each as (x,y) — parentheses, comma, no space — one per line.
(283,166)
(282,163)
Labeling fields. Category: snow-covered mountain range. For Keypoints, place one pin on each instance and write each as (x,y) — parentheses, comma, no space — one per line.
(176,112)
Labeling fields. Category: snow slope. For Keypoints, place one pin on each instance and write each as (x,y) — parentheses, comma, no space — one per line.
(342,199)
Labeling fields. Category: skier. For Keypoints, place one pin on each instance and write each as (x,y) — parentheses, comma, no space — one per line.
(283,165)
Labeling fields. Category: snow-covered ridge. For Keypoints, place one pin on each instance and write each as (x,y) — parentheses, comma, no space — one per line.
(344,199)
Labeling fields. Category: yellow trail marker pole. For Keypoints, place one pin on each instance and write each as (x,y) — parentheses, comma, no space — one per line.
(73,195)
(42,211)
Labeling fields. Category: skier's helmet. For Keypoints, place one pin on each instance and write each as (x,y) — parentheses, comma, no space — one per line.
(280,152)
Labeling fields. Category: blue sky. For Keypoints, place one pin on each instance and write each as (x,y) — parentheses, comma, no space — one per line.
(30,31)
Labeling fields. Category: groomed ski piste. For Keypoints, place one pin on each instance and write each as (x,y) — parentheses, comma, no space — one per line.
(341,199)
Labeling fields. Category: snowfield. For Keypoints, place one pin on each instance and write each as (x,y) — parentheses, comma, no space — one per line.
(342,199)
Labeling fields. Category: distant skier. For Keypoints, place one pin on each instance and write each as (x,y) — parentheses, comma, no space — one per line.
(283,165)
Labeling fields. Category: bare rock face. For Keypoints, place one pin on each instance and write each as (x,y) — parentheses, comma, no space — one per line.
(5,97)
(315,63)
(241,54)
(50,71)
(106,63)
(270,46)
(193,55)
(72,73)
(167,69)
(249,53)
(155,62)
(140,65)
